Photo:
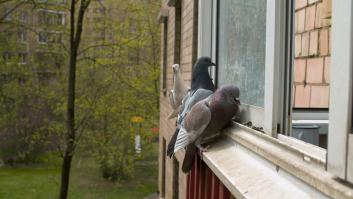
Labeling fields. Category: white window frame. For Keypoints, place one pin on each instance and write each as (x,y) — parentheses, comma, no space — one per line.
(23,36)
(62,13)
(340,138)
(49,33)
(207,37)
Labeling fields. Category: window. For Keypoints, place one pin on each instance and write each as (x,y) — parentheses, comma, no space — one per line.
(297,66)
(49,37)
(23,17)
(311,71)
(7,16)
(53,1)
(22,57)
(22,35)
(59,1)
(48,17)
(241,45)
(6,57)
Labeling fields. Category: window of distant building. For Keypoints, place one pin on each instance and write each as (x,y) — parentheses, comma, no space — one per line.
(53,1)
(22,35)
(6,56)
(49,37)
(7,12)
(48,17)
(23,17)
(22,58)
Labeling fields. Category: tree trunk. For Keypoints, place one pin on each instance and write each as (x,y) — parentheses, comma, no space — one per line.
(65,175)
(75,38)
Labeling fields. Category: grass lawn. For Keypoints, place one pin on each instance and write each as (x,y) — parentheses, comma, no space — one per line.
(86,182)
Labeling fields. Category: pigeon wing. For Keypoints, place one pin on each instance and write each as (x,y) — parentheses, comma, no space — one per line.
(171,99)
(194,124)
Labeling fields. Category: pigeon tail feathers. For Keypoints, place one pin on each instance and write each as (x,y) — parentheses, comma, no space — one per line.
(170,149)
(189,158)
(182,140)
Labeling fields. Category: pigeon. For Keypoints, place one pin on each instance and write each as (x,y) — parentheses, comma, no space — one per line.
(177,94)
(200,76)
(199,95)
(201,87)
(205,119)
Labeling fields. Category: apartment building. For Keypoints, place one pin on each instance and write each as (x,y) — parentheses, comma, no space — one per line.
(292,63)
(34,32)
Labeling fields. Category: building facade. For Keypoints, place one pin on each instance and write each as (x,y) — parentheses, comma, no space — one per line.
(279,55)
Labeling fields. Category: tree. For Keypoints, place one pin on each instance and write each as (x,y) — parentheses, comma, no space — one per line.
(117,80)
(76,28)
(26,98)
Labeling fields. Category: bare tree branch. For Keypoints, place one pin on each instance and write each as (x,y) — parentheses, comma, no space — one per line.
(8,13)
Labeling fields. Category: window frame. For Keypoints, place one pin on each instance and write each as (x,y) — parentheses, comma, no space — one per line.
(50,13)
(340,140)
(49,35)
(275,28)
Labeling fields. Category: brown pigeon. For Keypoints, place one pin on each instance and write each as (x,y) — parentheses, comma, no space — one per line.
(205,119)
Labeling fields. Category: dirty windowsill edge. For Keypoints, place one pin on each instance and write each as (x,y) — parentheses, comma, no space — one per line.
(303,166)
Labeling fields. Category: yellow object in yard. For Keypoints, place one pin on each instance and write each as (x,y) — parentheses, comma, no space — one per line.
(136,119)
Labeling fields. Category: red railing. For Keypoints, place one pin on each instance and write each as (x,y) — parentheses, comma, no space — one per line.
(202,183)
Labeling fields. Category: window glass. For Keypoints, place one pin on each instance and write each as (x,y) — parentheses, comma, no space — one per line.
(51,18)
(311,72)
(23,17)
(7,14)
(241,48)
(22,36)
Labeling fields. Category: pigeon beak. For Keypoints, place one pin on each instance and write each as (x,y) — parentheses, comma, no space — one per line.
(213,64)
(237,101)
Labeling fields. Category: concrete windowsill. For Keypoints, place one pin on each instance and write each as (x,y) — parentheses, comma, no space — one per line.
(254,165)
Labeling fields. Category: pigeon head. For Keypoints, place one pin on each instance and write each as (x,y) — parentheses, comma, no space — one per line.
(176,68)
(200,75)
(230,94)
(204,62)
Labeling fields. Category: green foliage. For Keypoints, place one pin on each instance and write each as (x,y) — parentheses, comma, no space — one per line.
(117,82)
(117,79)
(24,113)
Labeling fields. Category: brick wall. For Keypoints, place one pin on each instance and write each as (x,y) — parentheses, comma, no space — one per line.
(187,54)
(312,53)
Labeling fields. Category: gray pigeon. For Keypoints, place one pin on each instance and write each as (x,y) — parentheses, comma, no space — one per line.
(205,119)
(200,80)
(177,94)
(190,100)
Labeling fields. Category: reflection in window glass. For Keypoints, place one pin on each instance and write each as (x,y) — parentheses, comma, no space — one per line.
(241,58)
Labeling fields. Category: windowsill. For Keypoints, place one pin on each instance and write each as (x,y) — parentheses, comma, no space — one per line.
(254,165)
